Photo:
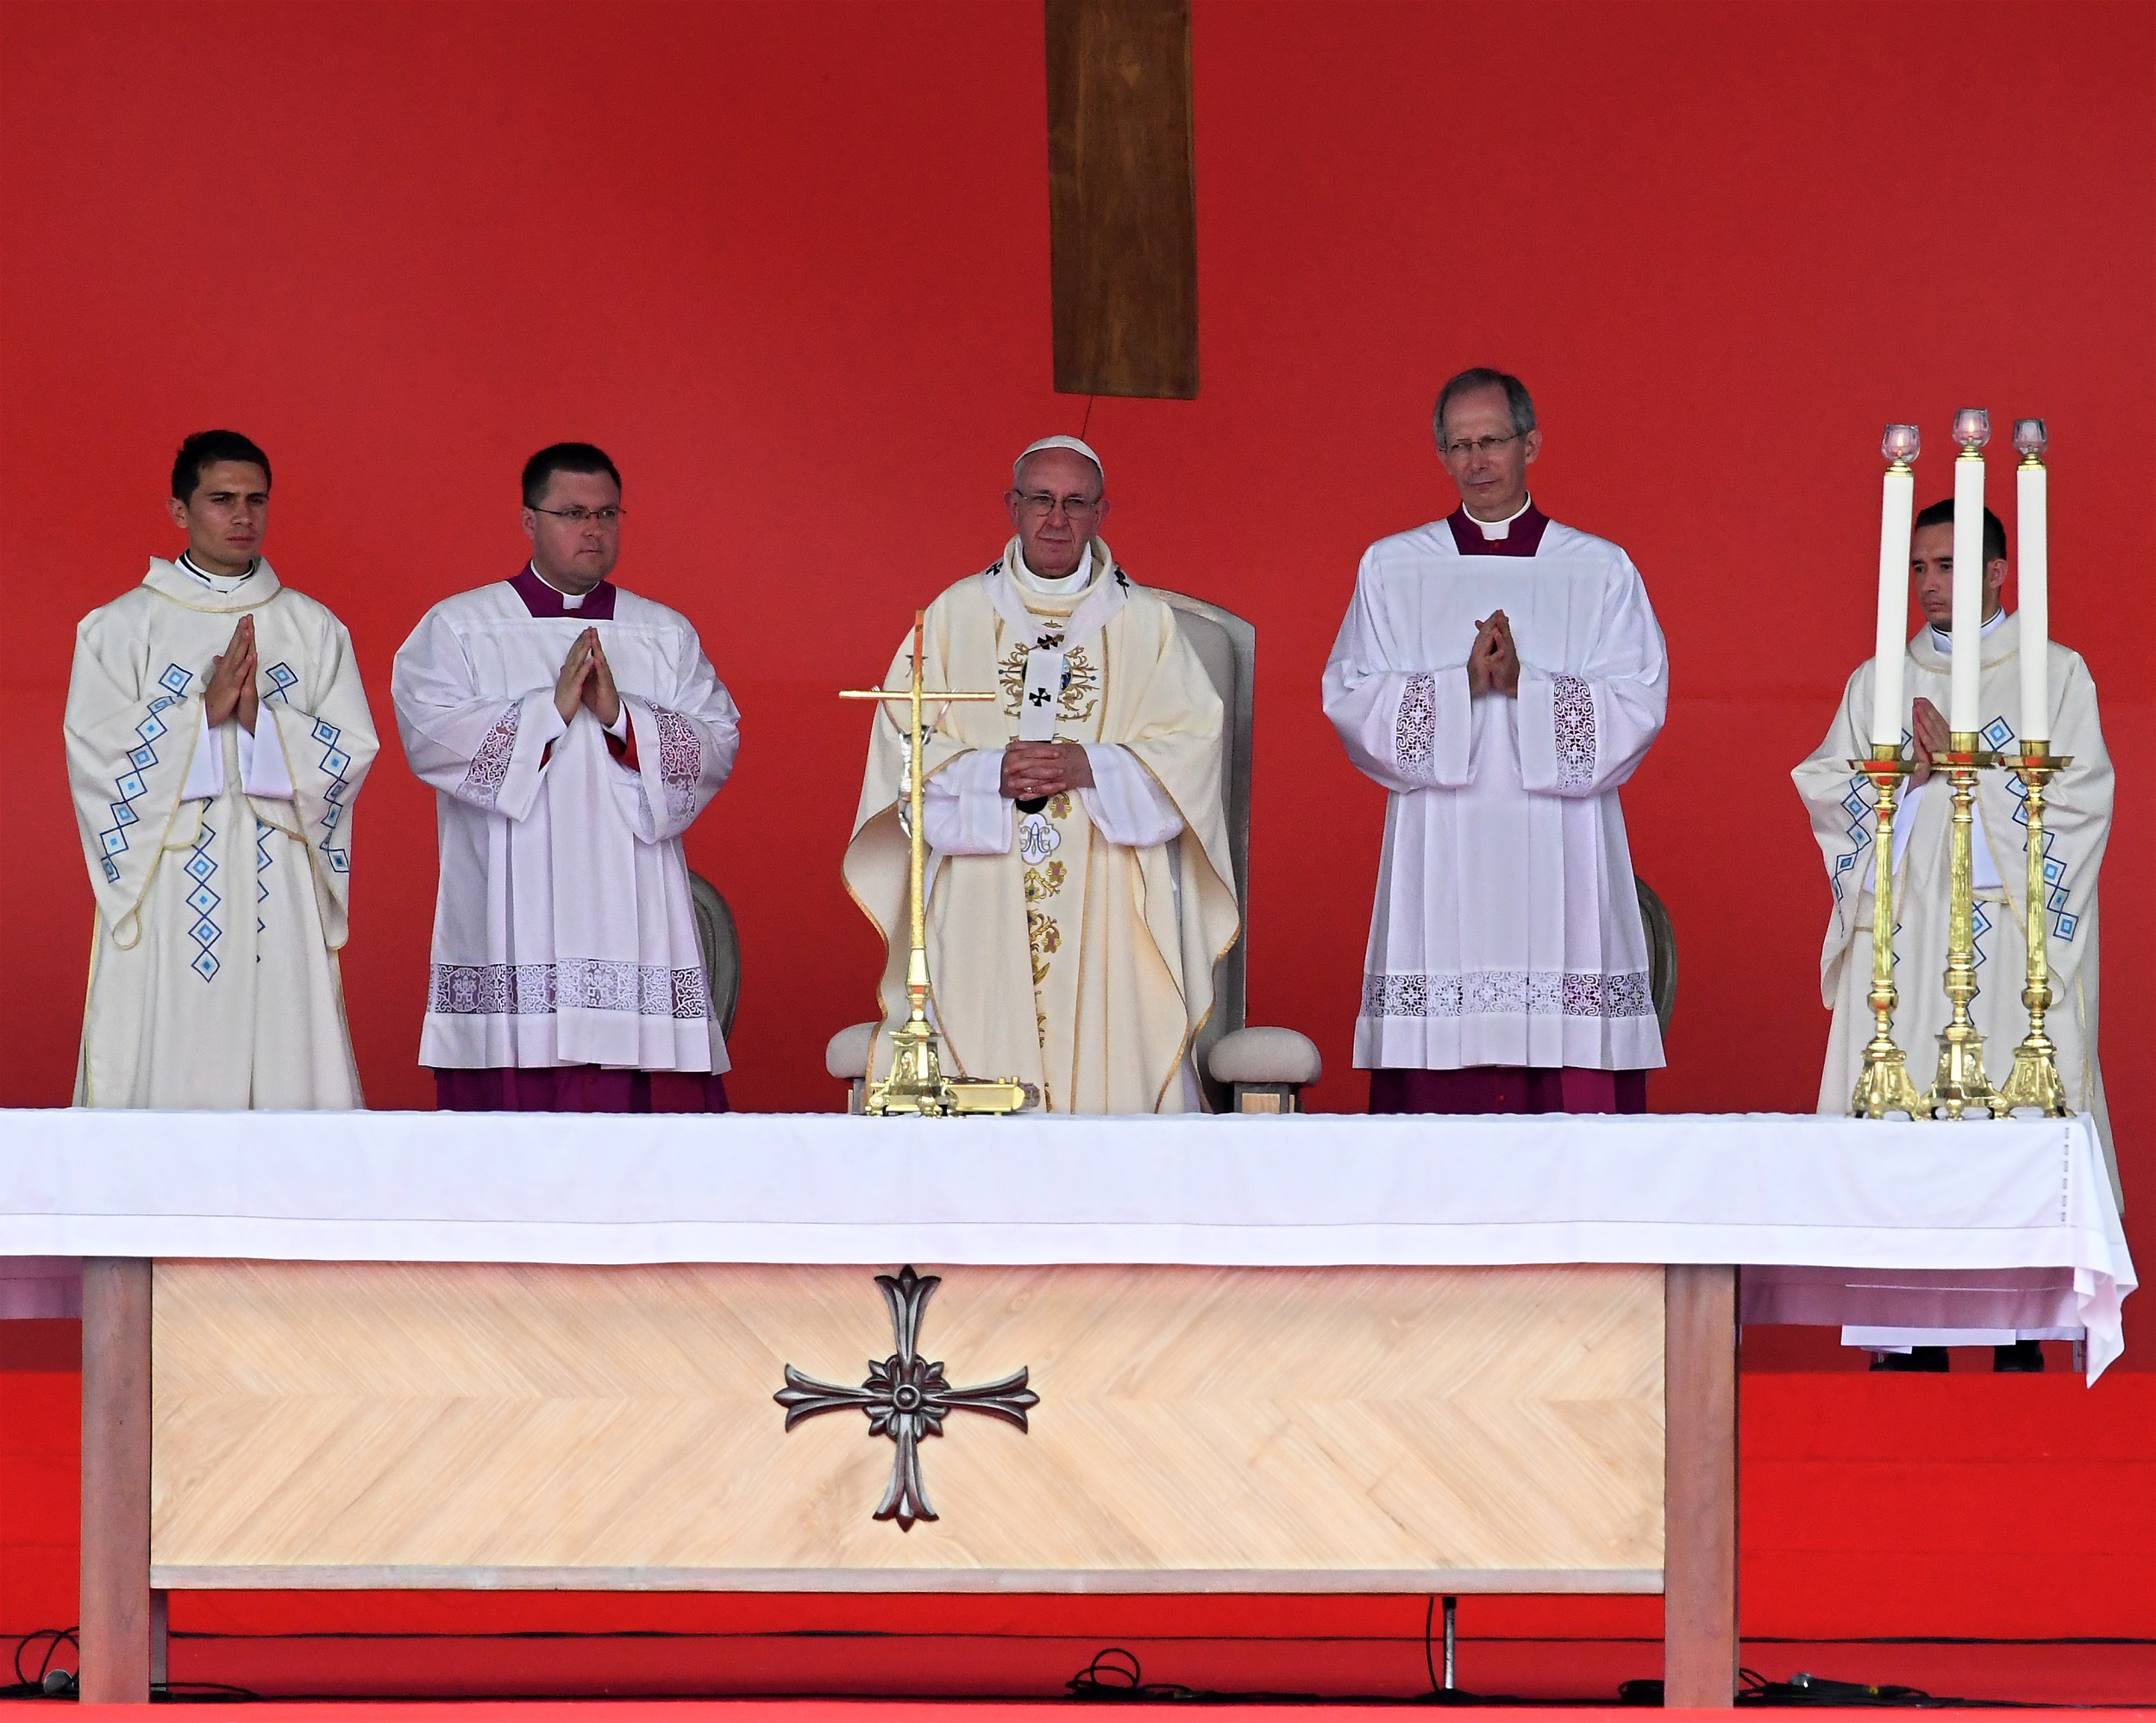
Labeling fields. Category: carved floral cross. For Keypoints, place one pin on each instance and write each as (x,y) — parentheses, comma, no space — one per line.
(907,1397)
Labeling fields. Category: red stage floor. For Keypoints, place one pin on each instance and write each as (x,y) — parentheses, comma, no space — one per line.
(841,1711)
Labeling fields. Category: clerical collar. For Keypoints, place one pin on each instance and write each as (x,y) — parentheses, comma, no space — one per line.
(217,583)
(544,600)
(1502,529)
(1945,641)
(1520,532)
(1071,584)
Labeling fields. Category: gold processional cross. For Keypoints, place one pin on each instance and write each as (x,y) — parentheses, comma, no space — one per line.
(917,1083)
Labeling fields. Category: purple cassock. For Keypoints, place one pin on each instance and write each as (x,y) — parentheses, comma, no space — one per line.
(575,1088)
(1506,1088)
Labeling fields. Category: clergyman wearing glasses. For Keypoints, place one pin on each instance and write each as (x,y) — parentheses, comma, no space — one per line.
(571,731)
(1080,885)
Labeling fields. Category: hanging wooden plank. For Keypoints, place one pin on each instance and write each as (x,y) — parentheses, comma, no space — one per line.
(1122,212)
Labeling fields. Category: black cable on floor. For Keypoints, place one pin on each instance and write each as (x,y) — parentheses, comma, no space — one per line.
(50,1682)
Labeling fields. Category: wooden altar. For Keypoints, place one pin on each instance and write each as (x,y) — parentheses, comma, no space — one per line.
(375,1424)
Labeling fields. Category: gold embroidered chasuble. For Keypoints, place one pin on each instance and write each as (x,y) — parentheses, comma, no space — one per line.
(1080,965)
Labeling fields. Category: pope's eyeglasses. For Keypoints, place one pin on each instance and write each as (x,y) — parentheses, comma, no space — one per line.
(1074,508)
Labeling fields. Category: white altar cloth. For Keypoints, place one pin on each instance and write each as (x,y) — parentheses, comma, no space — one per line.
(2016,1214)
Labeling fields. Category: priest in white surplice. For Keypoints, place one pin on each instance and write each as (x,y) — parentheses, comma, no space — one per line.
(571,732)
(1500,676)
(1080,891)
(217,737)
(2076,822)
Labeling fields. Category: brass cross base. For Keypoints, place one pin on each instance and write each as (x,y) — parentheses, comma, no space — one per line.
(1960,1085)
(2034,1081)
(917,1083)
(1884,1086)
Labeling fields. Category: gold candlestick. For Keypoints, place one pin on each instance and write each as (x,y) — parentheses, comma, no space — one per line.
(917,1083)
(2035,1079)
(1961,1084)
(1884,1086)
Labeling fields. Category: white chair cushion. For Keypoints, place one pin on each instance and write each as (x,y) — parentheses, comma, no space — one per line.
(1262,1055)
(846,1055)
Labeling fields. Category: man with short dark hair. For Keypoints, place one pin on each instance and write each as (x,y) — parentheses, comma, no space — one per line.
(571,731)
(1500,676)
(2076,824)
(217,737)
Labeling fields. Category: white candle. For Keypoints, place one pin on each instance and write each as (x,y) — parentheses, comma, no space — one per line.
(1972,429)
(1891,642)
(2032,501)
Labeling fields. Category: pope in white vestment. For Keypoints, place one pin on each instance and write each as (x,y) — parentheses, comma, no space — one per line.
(1506,931)
(2077,823)
(1072,944)
(565,937)
(221,860)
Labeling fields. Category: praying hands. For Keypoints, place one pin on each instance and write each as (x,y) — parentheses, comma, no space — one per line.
(232,681)
(1933,738)
(587,679)
(1493,664)
(1032,769)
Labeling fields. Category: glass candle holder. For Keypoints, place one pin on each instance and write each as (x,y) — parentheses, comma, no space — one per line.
(1901,444)
(1973,427)
(2030,438)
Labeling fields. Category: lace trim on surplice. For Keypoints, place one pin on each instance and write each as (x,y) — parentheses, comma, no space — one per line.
(580,984)
(1573,704)
(489,770)
(1508,993)
(1415,732)
(680,760)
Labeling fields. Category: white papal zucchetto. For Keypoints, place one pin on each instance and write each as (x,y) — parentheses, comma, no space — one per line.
(1069,442)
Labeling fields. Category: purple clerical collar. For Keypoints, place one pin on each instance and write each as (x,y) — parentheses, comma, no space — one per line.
(542,600)
(1524,540)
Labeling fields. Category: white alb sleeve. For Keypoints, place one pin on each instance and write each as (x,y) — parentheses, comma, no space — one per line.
(264,770)
(963,809)
(1124,803)
(205,771)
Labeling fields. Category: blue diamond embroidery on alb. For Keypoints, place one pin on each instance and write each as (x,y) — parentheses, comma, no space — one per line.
(205,932)
(262,860)
(1997,734)
(1858,811)
(334,759)
(114,839)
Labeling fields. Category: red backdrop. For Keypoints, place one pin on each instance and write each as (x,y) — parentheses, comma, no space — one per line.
(789,264)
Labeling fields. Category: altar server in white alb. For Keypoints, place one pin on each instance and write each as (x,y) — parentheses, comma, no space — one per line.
(573,731)
(2076,822)
(217,737)
(1081,890)
(1500,676)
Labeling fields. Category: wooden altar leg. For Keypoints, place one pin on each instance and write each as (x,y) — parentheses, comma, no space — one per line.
(1699,1559)
(115,1481)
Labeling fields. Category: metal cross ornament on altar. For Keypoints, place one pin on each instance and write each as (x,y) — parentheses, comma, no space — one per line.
(906,1398)
(915,1083)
